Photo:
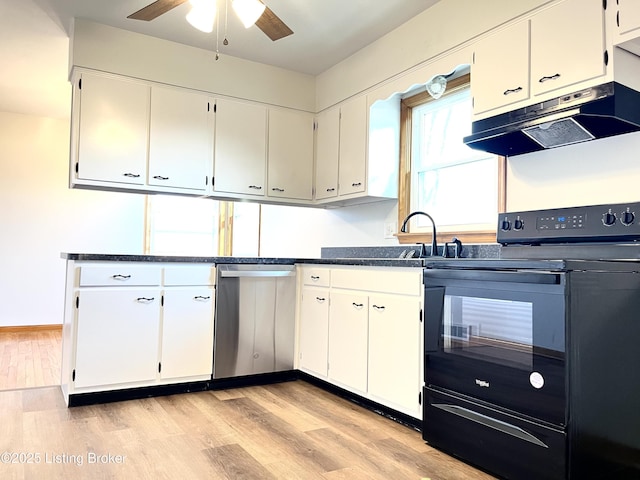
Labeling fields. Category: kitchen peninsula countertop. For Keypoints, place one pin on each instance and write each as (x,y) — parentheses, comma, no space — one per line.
(370,262)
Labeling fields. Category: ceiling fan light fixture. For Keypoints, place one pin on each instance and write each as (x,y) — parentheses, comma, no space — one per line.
(202,15)
(249,11)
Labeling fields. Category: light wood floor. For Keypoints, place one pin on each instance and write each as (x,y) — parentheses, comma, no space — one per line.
(30,357)
(287,431)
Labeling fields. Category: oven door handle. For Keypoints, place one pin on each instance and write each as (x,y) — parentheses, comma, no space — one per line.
(434,305)
(518,276)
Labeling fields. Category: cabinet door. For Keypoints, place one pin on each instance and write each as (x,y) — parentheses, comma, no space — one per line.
(353,146)
(187,332)
(327,153)
(180,139)
(314,330)
(118,336)
(348,332)
(628,15)
(500,71)
(240,148)
(113,130)
(395,351)
(290,161)
(562,56)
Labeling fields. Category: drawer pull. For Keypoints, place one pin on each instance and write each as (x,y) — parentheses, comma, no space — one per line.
(356,184)
(255,187)
(320,299)
(276,189)
(160,177)
(358,305)
(201,298)
(131,175)
(118,276)
(379,307)
(331,189)
(315,278)
(145,299)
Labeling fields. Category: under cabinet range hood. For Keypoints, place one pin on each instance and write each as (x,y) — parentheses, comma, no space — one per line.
(597,112)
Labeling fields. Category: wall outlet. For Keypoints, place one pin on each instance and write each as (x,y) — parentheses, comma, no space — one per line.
(389,229)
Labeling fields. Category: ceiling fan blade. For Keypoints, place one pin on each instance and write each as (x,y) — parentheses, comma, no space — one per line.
(272,26)
(155,9)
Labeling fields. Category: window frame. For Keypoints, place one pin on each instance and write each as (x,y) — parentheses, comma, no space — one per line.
(405,171)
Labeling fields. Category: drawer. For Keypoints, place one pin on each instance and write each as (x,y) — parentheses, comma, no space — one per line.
(403,281)
(189,274)
(119,274)
(320,277)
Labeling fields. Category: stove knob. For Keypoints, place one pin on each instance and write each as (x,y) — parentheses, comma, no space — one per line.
(627,218)
(608,219)
(505,225)
(518,224)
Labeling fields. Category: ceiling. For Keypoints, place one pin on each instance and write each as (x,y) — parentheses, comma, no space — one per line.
(34,39)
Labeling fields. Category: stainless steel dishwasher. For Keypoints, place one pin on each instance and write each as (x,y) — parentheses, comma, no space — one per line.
(254,319)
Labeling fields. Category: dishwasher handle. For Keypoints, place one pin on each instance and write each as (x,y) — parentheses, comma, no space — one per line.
(258,270)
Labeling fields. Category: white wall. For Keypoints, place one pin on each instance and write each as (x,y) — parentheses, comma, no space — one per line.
(301,232)
(41,217)
(589,173)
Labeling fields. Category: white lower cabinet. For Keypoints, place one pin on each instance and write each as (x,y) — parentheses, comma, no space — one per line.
(395,351)
(348,327)
(370,333)
(314,331)
(136,324)
(117,336)
(187,332)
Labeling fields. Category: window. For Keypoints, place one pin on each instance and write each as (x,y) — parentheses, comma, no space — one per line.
(182,225)
(194,226)
(458,186)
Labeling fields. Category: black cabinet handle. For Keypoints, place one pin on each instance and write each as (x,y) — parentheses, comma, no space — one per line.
(358,305)
(131,175)
(331,189)
(358,184)
(145,299)
(276,189)
(552,77)
(378,307)
(512,90)
(320,299)
(255,187)
(120,277)
(201,297)
(160,177)
(315,277)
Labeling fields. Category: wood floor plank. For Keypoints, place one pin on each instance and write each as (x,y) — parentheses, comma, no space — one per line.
(249,433)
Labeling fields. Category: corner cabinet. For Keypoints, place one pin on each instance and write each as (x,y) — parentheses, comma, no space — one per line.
(240,154)
(357,152)
(360,328)
(131,325)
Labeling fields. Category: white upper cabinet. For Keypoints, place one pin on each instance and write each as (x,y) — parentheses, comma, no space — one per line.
(500,70)
(112,120)
(240,148)
(353,146)
(567,44)
(180,139)
(327,153)
(627,25)
(290,160)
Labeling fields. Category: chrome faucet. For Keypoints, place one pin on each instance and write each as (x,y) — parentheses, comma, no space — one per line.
(434,244)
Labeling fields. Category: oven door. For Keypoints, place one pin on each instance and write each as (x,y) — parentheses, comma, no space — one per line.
(498,336)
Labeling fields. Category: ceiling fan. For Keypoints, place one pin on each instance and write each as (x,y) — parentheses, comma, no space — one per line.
(267,21)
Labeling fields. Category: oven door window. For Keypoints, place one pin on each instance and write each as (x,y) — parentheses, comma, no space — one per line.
(489,329)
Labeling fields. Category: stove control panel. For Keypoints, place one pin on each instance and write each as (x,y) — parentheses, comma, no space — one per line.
(597,223)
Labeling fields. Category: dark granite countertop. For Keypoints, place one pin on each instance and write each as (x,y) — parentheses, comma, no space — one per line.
(372,262)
